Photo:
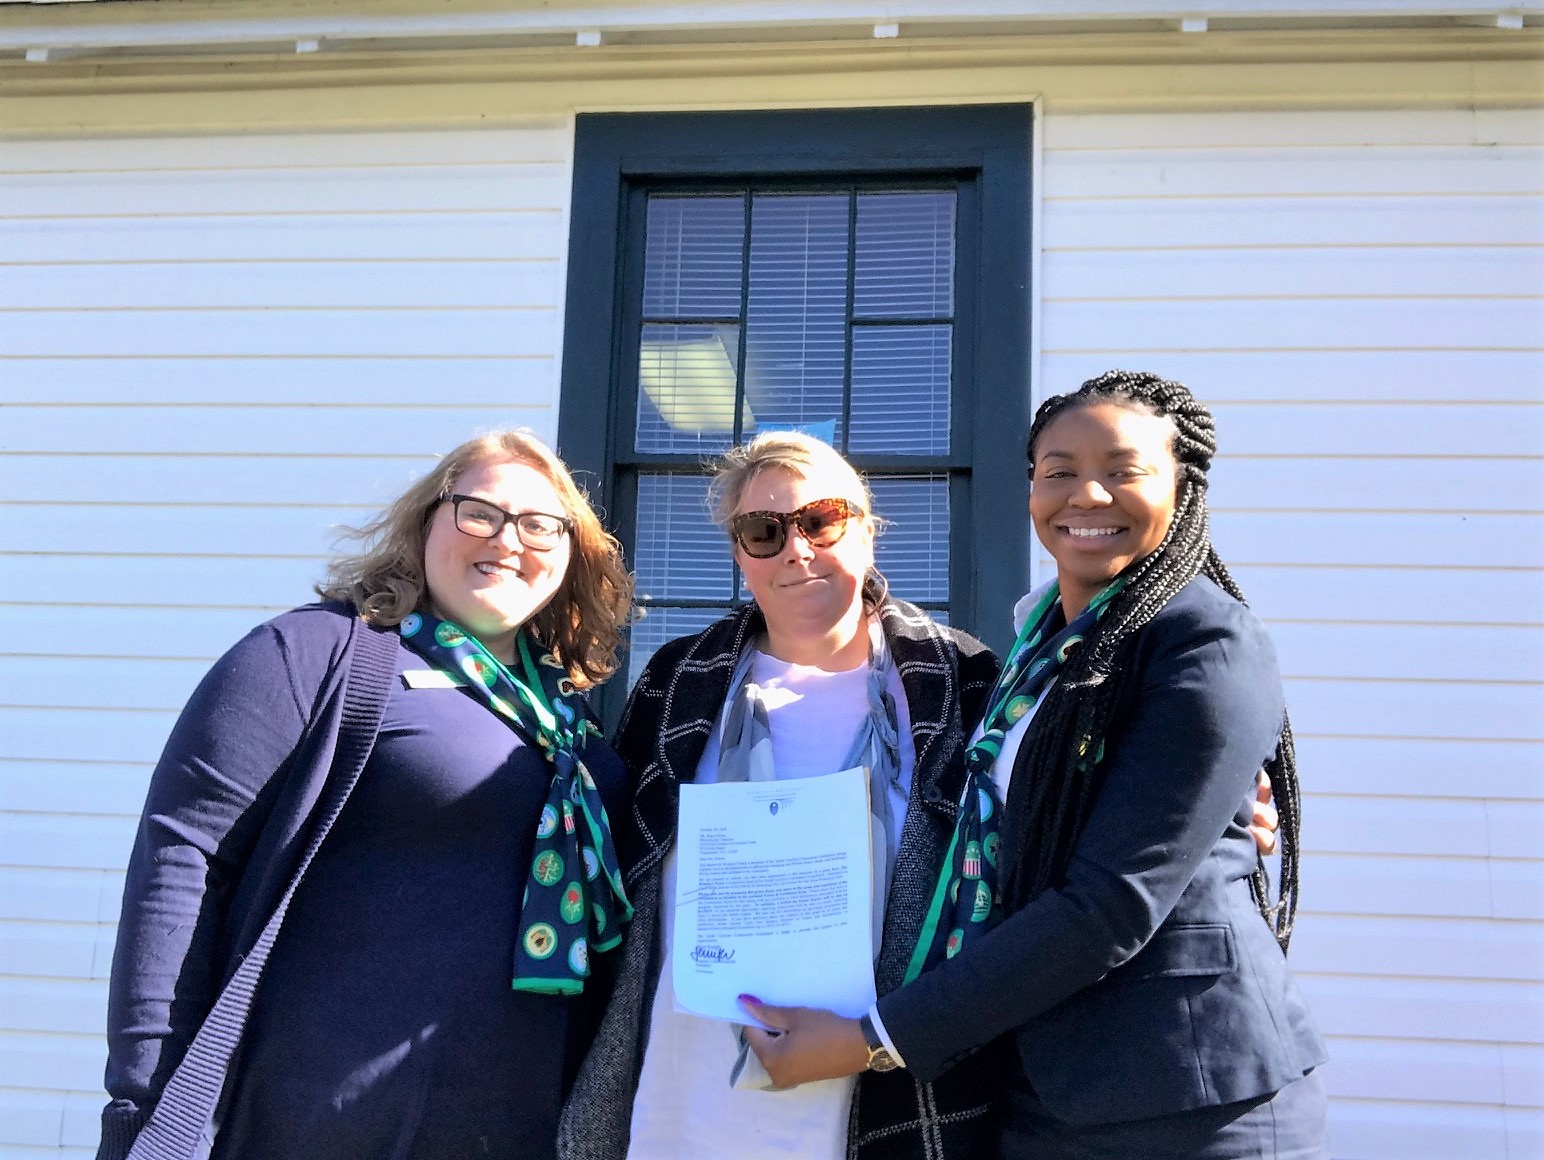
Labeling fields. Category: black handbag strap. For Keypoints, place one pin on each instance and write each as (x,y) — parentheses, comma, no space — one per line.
(187,1105)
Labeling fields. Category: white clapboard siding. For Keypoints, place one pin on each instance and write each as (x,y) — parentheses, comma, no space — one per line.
(352,190)
(1133,221)
(1364,945)
(169,530)
(230,346)
(55,1060)
(65,735)
(143,634)
(1498,710)
(237,286)
(1168,171)
(1331,323)
(67,840)
(1496,770)
(255,333)
(1392,594)
(1416,652)
(1461,827)
(1483,1014)
(367,480)
(227,429)
(1303,375)
(493,382)
(125,682)
(1436,886)
(181,579)
(1360,297)
(1269,534)
(214,353)
(396,152)
(103,787)
(1264,130)
(1306,272)
(69,894)
(294,237)
(1496,483)
(74,1005)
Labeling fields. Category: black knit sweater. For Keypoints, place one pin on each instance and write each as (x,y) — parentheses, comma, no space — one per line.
(670,715)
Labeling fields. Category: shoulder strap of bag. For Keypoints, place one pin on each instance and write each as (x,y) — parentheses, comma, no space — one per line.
(177,1127)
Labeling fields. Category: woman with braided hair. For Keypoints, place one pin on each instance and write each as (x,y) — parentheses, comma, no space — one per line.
(1150,1008)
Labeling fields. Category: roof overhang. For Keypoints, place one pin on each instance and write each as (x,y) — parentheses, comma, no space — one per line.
(45,32)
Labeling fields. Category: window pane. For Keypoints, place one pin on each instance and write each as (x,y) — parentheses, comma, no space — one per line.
(680,552)
(796,325)
(905,255)
(687,376)
(913,549)
(692,257)
(900,390)
(661,624)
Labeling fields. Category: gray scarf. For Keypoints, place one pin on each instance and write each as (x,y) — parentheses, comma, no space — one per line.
(745,754)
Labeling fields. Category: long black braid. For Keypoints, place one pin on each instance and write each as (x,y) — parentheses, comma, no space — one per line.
(1047,811)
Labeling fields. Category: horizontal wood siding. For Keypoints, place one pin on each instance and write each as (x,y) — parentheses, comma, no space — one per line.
(1360,297)
(220,351)
(214,354)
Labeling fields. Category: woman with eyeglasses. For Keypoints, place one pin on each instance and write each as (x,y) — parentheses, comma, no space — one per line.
(823,672)
(374,877)
(1139,969)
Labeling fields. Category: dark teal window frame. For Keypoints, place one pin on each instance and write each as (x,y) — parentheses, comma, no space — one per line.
(983,149)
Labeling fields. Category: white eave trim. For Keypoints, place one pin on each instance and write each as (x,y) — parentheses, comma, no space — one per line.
(53,31)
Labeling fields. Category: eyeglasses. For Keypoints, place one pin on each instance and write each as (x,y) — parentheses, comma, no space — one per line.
(536,530)
(763,534)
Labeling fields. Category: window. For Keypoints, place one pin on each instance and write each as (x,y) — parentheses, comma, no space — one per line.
(860,275)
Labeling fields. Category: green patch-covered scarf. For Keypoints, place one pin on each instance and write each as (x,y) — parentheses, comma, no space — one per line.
(574,902)
(968,899)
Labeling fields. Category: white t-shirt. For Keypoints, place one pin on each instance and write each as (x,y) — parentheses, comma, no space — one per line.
(1002,768)
(684,1106)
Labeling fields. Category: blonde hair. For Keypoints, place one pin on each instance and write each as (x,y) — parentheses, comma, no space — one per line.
(582,624)
(804,456)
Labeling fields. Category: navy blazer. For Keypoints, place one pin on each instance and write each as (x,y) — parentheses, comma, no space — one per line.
(1147,983)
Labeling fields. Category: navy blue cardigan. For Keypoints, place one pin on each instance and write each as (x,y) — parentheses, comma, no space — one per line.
(1147,983)
(184,971)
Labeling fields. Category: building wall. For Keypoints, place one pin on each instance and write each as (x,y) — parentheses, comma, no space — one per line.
(217,350)
(227,342)
(1357,296)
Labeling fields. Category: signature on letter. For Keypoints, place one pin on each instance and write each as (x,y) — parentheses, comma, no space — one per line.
(710,954)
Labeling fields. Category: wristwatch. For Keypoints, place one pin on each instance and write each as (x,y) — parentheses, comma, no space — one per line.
(879,1058)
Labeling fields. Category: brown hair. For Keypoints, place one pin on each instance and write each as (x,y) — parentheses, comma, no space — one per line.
(582,624)
(800,454)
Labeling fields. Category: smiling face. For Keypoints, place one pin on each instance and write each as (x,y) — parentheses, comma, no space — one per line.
(492,587)
(1102,495)
(812,598)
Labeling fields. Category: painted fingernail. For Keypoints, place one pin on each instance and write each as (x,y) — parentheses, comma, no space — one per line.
(750,999)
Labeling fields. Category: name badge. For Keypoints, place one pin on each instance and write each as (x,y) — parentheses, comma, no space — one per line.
(431,679)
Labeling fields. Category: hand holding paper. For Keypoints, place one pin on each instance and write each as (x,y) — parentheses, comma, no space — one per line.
(806,1045)
(775,896)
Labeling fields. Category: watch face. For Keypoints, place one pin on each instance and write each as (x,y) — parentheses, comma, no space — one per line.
(879,1058)
(882,1060)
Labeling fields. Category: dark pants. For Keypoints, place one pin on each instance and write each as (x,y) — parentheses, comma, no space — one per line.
(1286,1126)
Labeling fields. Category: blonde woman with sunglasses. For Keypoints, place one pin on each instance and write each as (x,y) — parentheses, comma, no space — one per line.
(824,671)
(834,672)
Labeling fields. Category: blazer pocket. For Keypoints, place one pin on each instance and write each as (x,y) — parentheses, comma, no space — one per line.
(1183,950)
